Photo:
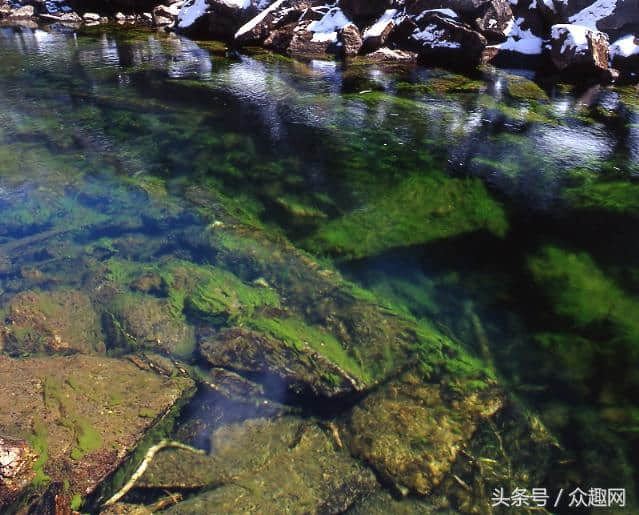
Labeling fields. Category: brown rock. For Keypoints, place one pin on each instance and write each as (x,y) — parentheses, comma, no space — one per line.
(276,16)
(351,39)
(579,50)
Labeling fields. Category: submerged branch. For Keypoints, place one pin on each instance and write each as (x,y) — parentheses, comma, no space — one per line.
(148,457)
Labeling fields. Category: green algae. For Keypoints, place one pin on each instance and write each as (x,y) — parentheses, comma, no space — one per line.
(613,196)
(524,89)
(581,291)
(38,440)
(297,333)
(88,439)
(419,210)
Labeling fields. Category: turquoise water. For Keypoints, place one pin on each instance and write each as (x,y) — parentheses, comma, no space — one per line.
(500,211)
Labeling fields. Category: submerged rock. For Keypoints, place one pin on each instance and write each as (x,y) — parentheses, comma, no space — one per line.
(56,321)
(137,321)
(412,432)
(266,466)
(300,364)
(82,415)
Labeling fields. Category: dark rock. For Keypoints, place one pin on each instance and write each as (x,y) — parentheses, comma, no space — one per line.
(624,53)
(579,50)
(439,39)
(280,39)
(495,20)
(364,8)
(164,15)
(299,368)
(276,16)
(217,19)
(623,20)
(350,38)
(282,465)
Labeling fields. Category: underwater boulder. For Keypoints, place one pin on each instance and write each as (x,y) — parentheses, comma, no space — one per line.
(281,465)
(145,322)
(411,432)
(82,415)
(295,362)
(56,321)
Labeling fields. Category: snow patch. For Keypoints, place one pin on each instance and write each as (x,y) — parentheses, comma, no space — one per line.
(191,12)
(519,40)
(434,37)
(626,46)
(251,24)
(238,4)
(576,40)
(589,16)
(378,27)
(325,30)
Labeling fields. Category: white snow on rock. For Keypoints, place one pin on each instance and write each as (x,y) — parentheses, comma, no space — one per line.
(239,4)
(577,39)
(519,40)
(445,12)
(626,46)
(590,15)
(191,11)
(251,24)
(378,27)
(434,37)
(326,29)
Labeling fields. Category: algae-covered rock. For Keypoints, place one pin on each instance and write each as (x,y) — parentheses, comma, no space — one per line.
(81,414)
(265,466)
(420,209)
(54,321)
(411,432)
(612,196)
(141,321)
(301,363)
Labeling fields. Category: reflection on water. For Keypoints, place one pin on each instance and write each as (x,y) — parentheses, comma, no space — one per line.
(502,213)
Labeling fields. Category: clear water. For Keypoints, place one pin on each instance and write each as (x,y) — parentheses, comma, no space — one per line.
(504,214)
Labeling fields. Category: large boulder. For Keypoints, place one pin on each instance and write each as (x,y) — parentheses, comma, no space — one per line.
(376,34)
(441,39)
(350,38)
(578,49)
(81,415)
(524,42)
(495,20)
(412,432)
(319,36)
(297,365)
(56,321)
(219,19)
(623,19)
(283,465)
(366,9)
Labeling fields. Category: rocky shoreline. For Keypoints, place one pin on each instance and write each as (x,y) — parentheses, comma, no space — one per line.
(573,39)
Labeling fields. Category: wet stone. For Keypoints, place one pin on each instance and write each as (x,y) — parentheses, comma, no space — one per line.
(57,321)
(266,466)
(296,365)
(412,432)
(82,414)
(17,459)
